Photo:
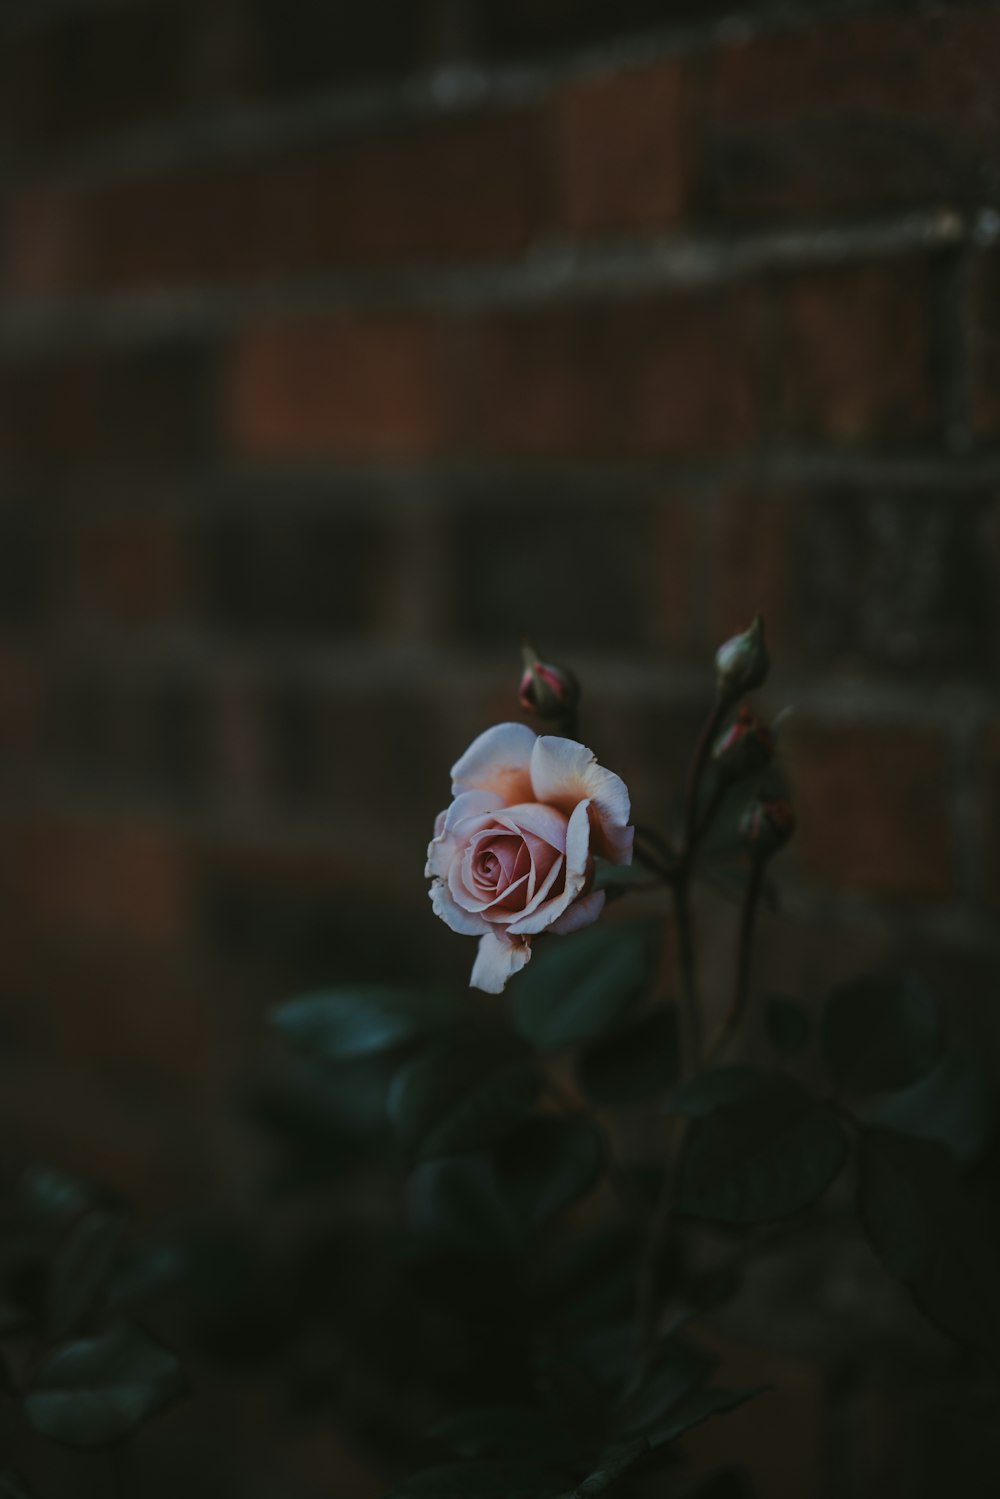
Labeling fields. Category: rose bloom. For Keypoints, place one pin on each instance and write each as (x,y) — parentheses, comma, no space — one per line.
(514,853)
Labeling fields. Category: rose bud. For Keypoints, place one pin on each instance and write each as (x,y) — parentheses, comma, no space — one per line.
(741,664)
(745,747)
(767,825)
(513,855)
(550,691)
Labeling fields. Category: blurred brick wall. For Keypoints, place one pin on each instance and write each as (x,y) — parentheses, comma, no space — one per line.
(339,345)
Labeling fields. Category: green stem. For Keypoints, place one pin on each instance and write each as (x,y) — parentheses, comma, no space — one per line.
(741,988)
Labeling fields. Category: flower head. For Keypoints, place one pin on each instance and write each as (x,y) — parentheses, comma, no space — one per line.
(514,853)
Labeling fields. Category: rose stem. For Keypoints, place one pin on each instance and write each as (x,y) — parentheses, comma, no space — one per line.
(690,1026)
(741,988)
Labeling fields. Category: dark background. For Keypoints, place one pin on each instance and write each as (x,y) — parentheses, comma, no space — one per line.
(341,344)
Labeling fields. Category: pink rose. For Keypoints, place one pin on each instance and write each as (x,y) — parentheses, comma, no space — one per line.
(514,853)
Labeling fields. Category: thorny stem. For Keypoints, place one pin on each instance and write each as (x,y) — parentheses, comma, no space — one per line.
(741,988)
(679,878)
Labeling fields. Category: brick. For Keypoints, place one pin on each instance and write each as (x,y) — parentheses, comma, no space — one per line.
(621,150)
(902,582)
(291,574)
(754,551)
(983,332)
(127,882)
(22,697)
(128,570)
(345,388)
(873,808)
(853,354)
(470,187)
(110,411)
(671,374)
(843,115)
(473,187)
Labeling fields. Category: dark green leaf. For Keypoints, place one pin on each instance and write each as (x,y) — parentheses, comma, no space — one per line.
(93,1391)
(457,1203)
(454,1098)
(589,1278)
(577,987)
(634,1064)
(953,1105)
(547,1163)
(880,1033)
(80,1268)
(54,1194)
(679,1368)
(789,1026)
(720,1087)
(506,1430)
(363,1019)
(696,1408)
(612,1464)
(763,1158)
(490,1479)
(12,1486)
(924,1230)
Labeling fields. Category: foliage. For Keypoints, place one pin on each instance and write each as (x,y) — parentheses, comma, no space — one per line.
(538,1179)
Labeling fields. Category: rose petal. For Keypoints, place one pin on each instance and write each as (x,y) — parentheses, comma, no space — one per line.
(582,912)
(563,773)
(544,822)
(470,804)
(451,914)
(498,761)
(577,858)
(495,961)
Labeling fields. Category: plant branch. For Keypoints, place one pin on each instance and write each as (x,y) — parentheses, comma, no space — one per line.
(741,987)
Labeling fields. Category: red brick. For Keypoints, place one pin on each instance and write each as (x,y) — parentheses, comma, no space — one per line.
(621,150)
(873,808)
(989,823)
(673,374)
(471,187)
(128,570)
(474,186)
(984,339)
(22,696)
(843,115)
(109,881)
(854,353)
(753,566)
(349,387)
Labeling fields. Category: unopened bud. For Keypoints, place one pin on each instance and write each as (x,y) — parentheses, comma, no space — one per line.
(741,664)
(550,691)
(767,825)
(745,748)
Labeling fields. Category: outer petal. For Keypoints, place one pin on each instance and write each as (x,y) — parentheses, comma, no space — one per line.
(471,804)
(577,856)
(496,960)
(452,915)
(582,912)
(563,773)
(498,761)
